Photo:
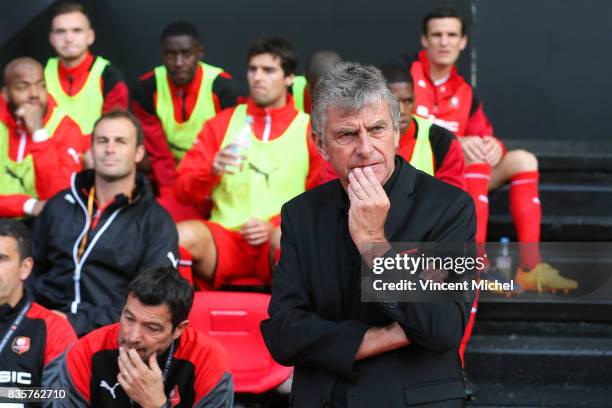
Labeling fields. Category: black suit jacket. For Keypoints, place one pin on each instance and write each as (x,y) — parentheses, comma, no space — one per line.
(307,327)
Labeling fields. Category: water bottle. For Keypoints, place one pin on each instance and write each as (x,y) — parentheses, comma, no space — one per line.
(503,262)
(241,144)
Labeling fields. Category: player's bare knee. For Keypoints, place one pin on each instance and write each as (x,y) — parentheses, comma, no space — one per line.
(190,235)
(522,160)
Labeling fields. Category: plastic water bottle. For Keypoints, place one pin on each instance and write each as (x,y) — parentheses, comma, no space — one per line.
(503,262)
(242,143)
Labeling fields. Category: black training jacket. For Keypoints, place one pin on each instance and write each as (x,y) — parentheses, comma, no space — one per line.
(122,238)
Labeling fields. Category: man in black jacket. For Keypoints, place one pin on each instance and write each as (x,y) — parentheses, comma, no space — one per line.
(91,240)
(347,353)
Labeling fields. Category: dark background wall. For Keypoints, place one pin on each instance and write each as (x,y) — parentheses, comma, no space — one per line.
(541,65)
(544,67)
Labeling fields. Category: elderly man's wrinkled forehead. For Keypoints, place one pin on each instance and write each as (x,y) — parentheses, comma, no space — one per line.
(368,106)
(22,68)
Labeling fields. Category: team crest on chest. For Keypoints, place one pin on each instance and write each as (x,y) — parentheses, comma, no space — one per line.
(454,102)
(20,345)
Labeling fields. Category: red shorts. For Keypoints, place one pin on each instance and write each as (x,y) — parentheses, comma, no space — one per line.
(236,259)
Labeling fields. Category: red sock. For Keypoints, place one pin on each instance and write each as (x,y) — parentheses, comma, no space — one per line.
(526,215)
(477,180)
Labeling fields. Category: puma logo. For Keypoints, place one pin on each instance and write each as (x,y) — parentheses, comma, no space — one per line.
(263,173)
(75,156)
(14,175)
(173,259)
(110,389)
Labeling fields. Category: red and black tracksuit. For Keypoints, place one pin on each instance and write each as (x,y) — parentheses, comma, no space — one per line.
(225,94)
(198,375)
(55,158)
(31,357)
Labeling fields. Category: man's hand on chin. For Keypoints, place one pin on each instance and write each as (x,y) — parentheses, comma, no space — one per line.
(368,212)
(31,116)
(141,382)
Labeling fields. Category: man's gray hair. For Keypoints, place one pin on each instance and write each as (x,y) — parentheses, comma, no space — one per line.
(350,86)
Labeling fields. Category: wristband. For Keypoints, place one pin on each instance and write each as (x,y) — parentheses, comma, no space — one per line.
(28,206)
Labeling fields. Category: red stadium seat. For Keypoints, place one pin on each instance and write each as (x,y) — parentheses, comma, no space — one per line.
(233,318)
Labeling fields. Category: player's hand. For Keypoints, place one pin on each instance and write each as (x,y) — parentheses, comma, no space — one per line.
(256,231)
(141,382)
(31,116)
(494,150)
(369,208)
(227,161)
(474,149)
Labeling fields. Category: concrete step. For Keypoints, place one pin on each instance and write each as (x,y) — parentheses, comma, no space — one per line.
(492,395)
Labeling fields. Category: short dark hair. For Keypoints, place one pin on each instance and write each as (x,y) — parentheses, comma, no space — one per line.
(318,63)
(278,47)
(395,72)
(161,286)
(122,114)
(66,7)
(177,28)
(444,12)
(21,234)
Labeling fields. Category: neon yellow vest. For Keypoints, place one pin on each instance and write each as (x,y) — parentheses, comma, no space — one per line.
(274,172)
(180,136)
(84,107)
(19,177)
(422,156)
(297,90)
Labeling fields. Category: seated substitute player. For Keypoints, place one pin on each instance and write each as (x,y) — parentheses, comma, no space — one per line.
(151,358)
(174,100)
(426,146)
(40,145)
(302,86)
(271,141)
(443,96)
(84,85)
(92,239)
(33,338)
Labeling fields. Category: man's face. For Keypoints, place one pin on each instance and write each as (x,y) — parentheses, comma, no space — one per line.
(404,94)
(267,81)
(71,35)
(114,149)
(25,83)
(13,271)
(360,139)
(180,55)
(443,41)
(147,329)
